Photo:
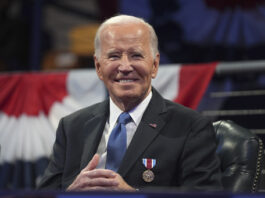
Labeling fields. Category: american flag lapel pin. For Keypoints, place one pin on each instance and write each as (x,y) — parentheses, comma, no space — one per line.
(153,125)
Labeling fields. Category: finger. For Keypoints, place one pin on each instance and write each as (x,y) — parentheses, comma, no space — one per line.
(99,188)
(100,173)
(104,182)
(93,163)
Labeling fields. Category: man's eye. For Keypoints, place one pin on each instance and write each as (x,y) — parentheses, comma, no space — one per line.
(114,56)
(137,56)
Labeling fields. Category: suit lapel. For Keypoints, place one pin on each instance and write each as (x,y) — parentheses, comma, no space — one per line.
(93,128)
(148,129)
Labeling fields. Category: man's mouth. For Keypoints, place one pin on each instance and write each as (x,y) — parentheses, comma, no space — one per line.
(125,81)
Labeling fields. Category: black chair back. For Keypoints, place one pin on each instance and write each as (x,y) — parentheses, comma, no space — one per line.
(242,157)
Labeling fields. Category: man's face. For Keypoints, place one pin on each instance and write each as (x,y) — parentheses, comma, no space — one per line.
(126,64)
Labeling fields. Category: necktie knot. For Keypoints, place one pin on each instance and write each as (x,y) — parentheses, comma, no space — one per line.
(124,118)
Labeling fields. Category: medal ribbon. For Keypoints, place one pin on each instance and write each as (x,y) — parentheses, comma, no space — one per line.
(149,163)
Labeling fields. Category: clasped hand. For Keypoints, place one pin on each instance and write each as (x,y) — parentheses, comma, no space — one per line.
(91,178)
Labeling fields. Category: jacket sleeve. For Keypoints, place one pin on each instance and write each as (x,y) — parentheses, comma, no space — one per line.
(52,178)
(200,165)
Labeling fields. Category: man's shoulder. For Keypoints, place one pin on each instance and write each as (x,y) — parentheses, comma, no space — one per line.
(182,112)
(174,106)
(173,109)
(90,111)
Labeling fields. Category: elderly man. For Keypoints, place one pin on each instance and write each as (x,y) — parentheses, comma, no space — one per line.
(135,139)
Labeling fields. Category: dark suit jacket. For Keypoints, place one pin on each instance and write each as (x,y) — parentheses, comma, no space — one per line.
(183,144)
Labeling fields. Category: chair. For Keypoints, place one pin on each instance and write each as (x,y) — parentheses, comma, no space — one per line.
(242,157)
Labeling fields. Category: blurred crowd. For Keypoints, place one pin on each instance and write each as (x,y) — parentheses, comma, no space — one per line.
(58,34)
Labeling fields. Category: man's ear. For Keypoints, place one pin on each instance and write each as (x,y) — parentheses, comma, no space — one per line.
(98,67)
(155,65)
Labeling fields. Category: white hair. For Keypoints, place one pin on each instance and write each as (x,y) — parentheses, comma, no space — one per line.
(125,19)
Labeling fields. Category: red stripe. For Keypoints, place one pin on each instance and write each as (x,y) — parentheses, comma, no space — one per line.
(194,80)
(149,163)
(30,93)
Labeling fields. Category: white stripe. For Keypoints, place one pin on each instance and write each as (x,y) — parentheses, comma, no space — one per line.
(84,89)
(167,81)
(26,137)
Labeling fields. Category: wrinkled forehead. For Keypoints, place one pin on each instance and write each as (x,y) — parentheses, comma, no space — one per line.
(122,31)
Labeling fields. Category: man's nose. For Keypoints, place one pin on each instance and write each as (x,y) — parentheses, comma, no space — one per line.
(125,64)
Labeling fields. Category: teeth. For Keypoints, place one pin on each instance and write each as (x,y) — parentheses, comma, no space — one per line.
(124,81)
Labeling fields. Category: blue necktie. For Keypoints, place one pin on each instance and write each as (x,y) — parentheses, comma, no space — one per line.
(117,143)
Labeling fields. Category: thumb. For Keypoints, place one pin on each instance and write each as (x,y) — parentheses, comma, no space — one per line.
(93,163)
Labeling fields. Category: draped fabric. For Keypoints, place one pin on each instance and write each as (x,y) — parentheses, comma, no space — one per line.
(31,105)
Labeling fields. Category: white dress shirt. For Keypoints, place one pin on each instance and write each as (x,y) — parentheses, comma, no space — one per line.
(136,115)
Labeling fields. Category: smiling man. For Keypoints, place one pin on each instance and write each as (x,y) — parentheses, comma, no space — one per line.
(126,61)
(135,139)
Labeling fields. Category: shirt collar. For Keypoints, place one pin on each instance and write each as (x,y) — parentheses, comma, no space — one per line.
(136,113)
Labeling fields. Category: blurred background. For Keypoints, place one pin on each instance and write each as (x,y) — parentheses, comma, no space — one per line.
(57,35)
